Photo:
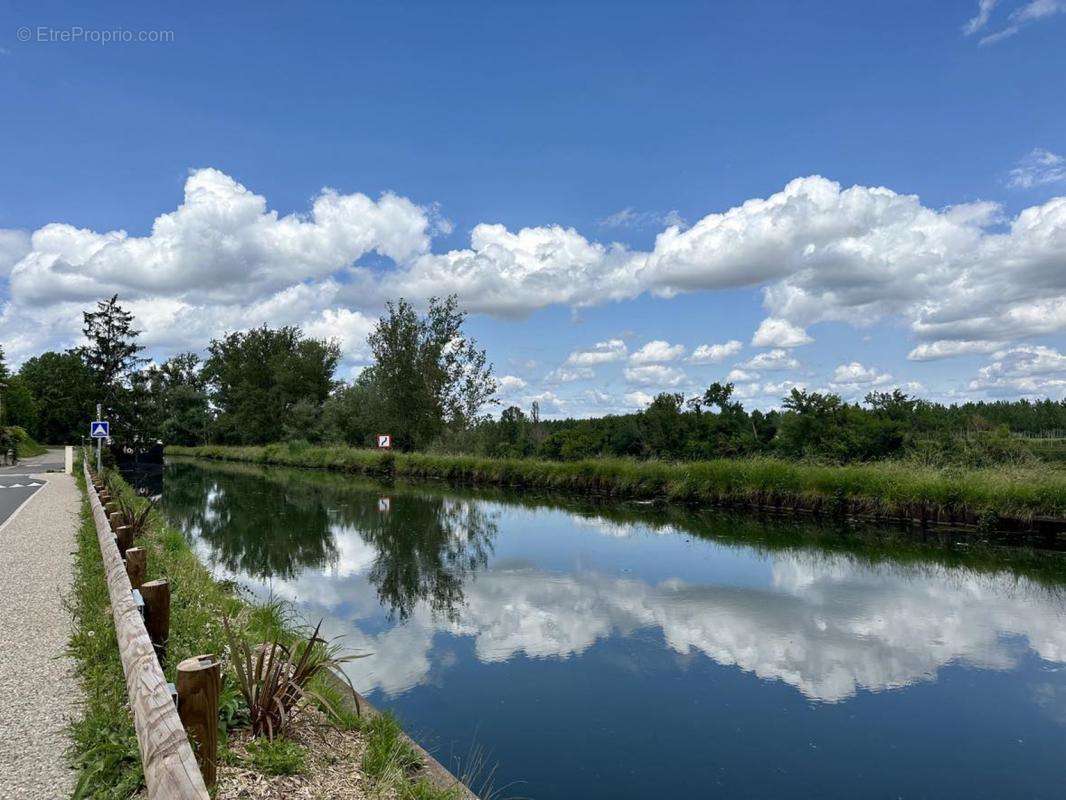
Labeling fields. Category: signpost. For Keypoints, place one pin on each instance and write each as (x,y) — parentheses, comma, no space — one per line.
(384,441)
(99,429)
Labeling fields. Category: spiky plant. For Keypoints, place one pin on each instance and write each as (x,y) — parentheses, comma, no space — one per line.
(135,516)
(275,680)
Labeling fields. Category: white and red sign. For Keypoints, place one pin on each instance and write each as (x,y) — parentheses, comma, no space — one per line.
(384,441)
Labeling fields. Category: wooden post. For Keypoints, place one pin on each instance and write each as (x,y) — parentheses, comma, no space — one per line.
(115,519)
(199,682)
(156,596)
(123,537)
(170,769)
(136,566)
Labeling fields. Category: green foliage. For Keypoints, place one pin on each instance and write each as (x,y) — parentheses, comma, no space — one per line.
(173,401)
(19,408)
(61,385)
(427,376)
(135,515)
(15,438)
(977,449)
(112,356)
(104,745)
(387,749)
(278,756)
(811,426)
(264,376)
(276,679)
(884,489)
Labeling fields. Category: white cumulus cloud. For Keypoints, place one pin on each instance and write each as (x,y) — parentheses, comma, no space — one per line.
(959,279)
(770,361)
(639,399)
(657,351)
(600,353)
(1035,371)
(713,353)
(857,373)
(509,384)
(654,375)
(779,333)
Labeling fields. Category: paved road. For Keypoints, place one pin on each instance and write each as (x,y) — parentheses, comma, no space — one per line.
(17,483)
(38,691)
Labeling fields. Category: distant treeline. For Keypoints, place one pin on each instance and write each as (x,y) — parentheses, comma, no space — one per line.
(810,425)
(432,388)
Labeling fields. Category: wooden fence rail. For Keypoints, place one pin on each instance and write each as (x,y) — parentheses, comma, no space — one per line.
(170,768)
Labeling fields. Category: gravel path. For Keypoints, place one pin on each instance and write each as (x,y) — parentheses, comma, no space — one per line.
(37,687)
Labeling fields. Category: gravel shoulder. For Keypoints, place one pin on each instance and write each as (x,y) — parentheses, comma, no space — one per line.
(38,691)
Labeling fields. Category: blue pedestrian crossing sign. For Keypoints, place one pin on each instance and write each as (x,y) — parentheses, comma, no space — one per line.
(100,429)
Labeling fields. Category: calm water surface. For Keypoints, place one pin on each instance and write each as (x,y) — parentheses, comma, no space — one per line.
(624,651)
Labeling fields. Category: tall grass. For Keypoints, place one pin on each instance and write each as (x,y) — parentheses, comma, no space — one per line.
(883,490)
(105,750)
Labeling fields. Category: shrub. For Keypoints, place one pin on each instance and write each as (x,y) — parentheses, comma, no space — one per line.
(275,680)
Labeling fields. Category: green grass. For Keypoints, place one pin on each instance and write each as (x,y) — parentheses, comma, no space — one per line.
(1050,451)
(390,759)
(25,445)
(277,757)
(387,749)
(104,747)
(881,490)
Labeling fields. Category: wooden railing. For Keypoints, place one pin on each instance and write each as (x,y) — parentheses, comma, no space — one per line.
(170,768)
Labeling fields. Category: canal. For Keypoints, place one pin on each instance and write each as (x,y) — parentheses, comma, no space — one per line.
(610,650)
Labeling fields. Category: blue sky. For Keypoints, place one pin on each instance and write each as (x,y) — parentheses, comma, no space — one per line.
(582,125)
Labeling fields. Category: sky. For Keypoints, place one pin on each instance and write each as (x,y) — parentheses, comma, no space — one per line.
(628,198)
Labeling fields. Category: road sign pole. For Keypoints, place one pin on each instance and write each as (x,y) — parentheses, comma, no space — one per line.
(99,442)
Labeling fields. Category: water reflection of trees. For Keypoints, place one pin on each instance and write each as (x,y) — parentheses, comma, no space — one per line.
(251,529)
(430,543)
(427,548)
(266,523)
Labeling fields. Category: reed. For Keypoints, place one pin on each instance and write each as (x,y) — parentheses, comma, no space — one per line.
(1007,496)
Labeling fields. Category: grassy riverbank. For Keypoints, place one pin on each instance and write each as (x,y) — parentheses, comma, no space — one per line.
(105,751)
(869,544)
(1005,496)
(24,444)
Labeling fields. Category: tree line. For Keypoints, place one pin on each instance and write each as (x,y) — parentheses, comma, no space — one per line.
(427,380)
(432,388)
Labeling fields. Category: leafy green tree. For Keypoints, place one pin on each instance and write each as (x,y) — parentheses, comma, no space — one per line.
(427,376)
(350,415)
(112,358)
(663,428)
(62,387)
(3,382)
(813,425)
(182,412)
(258,377)
(19,407)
